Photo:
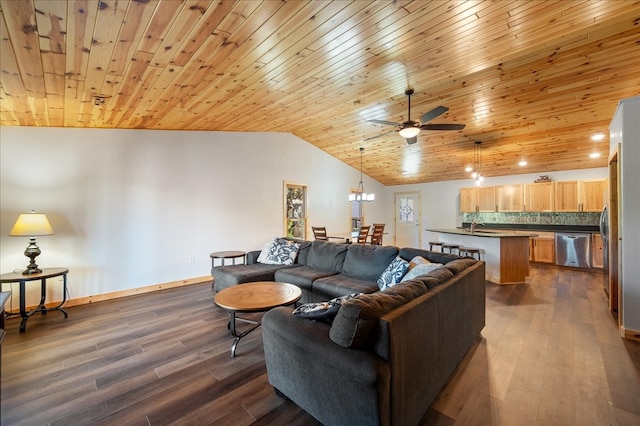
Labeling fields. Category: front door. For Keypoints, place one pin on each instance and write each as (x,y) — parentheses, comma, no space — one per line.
(408,219)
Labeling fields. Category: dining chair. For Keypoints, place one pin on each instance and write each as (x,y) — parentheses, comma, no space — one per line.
(376,235)
(319,232)
(363,234)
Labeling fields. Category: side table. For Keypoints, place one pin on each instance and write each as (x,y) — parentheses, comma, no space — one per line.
(18,277)
(223,255)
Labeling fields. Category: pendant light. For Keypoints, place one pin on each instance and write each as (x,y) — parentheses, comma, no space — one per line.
(476,173)
(361,196)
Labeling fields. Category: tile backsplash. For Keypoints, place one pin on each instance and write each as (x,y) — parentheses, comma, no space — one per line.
(529,218)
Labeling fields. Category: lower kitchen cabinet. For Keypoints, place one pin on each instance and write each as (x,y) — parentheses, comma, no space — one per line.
(597,251)
(543,248)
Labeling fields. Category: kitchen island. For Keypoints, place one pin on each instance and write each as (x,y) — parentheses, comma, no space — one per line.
(505,253)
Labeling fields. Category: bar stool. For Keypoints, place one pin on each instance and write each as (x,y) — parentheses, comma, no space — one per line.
(471,252)
(435,243)
(451,248)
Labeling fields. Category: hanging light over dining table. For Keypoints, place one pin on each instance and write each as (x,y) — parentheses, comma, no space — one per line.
(360,195)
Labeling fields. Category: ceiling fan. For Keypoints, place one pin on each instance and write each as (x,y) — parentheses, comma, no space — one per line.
(410,129)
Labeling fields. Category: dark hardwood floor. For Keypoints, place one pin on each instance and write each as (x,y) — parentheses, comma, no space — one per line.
(549,355)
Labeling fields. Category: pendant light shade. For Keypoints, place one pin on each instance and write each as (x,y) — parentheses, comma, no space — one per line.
(476,173)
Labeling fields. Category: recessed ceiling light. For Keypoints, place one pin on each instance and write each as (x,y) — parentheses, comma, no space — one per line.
(522,163)
(597,137)
(594,155)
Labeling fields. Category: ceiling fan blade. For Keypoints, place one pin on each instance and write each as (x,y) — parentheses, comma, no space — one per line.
(442,126)
(436,112)
(386,123)
(411,141)
(380,135)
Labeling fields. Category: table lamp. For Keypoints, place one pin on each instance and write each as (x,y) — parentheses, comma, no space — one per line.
(31,225)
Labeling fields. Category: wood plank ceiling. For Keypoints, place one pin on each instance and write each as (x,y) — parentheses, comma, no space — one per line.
(532,80)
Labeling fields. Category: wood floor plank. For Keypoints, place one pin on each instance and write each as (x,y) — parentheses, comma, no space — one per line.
(550,354)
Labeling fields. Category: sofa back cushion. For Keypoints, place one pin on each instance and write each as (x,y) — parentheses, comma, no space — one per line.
(459,265)
(368,261)
(326,256)
(303,251)
(358,318)
(408,253)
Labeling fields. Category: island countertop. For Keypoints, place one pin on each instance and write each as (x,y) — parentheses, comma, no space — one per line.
(484,233)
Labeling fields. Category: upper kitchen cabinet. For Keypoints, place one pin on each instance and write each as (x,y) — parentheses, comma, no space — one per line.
(567,196)
(593,194)
(510,198)
(580,196)
(538,197)
(468,200)
(480,199)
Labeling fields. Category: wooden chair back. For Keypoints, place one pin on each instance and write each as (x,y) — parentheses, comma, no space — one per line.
(363,234)
(376,235)
(319,232)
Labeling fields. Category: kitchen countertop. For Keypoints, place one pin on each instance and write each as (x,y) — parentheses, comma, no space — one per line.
(483,233)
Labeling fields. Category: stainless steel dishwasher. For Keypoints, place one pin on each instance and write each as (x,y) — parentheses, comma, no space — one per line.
(573,249)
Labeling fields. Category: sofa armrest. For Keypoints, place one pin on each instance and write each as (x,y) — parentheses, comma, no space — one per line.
(252,257)
(336,385)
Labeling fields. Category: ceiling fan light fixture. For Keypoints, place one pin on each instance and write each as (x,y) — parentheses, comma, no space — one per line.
(409,132)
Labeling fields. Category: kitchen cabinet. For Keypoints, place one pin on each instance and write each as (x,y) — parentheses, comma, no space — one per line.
(593,194)
(510,198)
(543,248)
(478,199)
(580,196)
(566,196)
(538,197)
(468,200)
(597,251)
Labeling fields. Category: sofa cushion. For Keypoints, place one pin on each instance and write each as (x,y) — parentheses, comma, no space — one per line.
(342,284)
(393,274)
(368,261)
(408,253)
(358,318)
(302,276)
(459,265)
(435,277)
(421,269)
(230,275)
(303,251)
(327,256)
(279,252)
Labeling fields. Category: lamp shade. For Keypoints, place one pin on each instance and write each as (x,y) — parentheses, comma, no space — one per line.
(409,132)
(31,225)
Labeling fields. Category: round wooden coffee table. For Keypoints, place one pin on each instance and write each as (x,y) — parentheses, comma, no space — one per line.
(259,296)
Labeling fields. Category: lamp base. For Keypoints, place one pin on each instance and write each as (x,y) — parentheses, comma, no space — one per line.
(31,271)
(32,252)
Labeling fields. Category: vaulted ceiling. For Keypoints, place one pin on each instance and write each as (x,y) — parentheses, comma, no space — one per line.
(530,79)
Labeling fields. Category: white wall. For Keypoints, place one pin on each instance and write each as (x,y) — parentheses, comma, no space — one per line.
(625,130)
(441,200)
(130,207)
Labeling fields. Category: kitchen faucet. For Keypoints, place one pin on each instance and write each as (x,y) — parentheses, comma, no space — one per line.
(474,224)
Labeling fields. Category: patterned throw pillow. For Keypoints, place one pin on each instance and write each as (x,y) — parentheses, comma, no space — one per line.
(279,252)
(393,274)
(423,268)
(418,260)
(322,310)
